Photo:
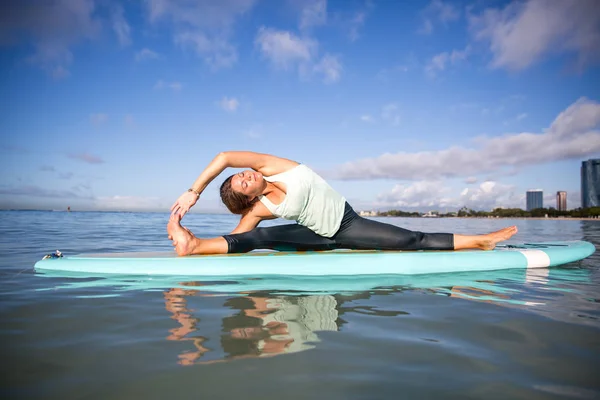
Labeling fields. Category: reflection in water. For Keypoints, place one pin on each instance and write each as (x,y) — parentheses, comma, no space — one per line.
(176,304)
(263,326)
(283,315)
(277,324)
(265,323)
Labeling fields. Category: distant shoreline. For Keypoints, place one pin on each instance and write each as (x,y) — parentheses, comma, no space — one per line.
(540,218)
(534,218)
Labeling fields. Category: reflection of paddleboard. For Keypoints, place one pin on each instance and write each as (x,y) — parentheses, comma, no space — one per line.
(339,262)
(300,285)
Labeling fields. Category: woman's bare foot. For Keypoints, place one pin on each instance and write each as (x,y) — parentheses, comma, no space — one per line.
(483,242)
(183,239)
(489,241)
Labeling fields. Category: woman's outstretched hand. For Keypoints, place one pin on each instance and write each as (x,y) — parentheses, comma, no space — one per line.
(184,203)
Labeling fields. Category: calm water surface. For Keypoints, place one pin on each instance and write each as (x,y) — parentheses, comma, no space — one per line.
(504,334)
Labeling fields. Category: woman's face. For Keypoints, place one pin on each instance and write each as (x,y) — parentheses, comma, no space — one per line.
(249,183)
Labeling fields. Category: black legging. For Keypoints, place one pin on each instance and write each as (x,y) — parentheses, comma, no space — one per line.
(355,233)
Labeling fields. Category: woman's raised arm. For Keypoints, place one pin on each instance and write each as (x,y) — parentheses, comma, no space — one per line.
(266,164)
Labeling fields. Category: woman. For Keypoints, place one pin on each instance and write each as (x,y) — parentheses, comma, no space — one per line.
(278,187)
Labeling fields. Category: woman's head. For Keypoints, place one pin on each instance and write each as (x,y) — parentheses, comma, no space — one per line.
(240,191)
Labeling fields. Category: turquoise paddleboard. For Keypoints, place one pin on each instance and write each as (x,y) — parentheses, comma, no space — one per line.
(338,262)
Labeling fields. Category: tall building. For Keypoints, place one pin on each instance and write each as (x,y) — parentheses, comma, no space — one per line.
(590,183)
(535,199)
(561,201)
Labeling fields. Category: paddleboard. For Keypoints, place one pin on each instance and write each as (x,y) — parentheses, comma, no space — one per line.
(324,263)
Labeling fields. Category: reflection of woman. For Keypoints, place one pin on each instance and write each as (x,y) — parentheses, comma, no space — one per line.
(274,325)
(304,316)
(277,187)
(176,304)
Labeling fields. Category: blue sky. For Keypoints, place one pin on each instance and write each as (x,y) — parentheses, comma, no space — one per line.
(428,105)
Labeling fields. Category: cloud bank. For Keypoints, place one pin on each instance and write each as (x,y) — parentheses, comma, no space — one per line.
(523,33)
(572,135)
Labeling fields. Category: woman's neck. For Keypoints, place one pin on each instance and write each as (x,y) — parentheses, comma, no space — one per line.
(269,187)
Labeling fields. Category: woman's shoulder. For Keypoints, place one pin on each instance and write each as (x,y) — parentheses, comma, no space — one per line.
(260,210)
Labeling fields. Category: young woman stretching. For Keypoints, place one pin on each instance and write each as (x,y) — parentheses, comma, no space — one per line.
(277,187)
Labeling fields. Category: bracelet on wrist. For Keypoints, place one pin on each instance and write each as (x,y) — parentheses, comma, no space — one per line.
(192,190)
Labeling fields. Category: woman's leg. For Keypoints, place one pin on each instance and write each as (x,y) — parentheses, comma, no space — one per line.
(290,237)
(361,233)
(366,234)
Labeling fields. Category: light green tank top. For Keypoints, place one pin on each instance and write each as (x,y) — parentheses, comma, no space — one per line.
(309,200)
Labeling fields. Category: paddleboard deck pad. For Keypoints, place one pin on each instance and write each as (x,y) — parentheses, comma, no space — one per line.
(323,263)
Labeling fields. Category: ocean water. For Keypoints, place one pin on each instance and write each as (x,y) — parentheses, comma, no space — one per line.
(501,334)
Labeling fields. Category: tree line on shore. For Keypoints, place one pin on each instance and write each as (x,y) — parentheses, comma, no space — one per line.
(592,212)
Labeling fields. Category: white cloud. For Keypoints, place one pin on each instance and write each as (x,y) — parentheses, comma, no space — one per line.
(60,72)
(86,157)
(387,74)
(284,49)
(444,12)
(572,135)
(435,195)
(145,54)
(437,12)
(471,179)
(205,26)
(200,14)
(440,61)
(175,86)
(490,195)
(521,116)
(417,194)
(216,51)
(578,118)
(330,68)
(229,104)
(366,118)
(51,28)
(391,114)
(314,13)
(287,50)
(98,119)
(523,33)
(426,28)
(253,133)
(355,24)
(120,26)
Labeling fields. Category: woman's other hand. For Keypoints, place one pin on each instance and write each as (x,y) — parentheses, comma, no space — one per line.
(184,203)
